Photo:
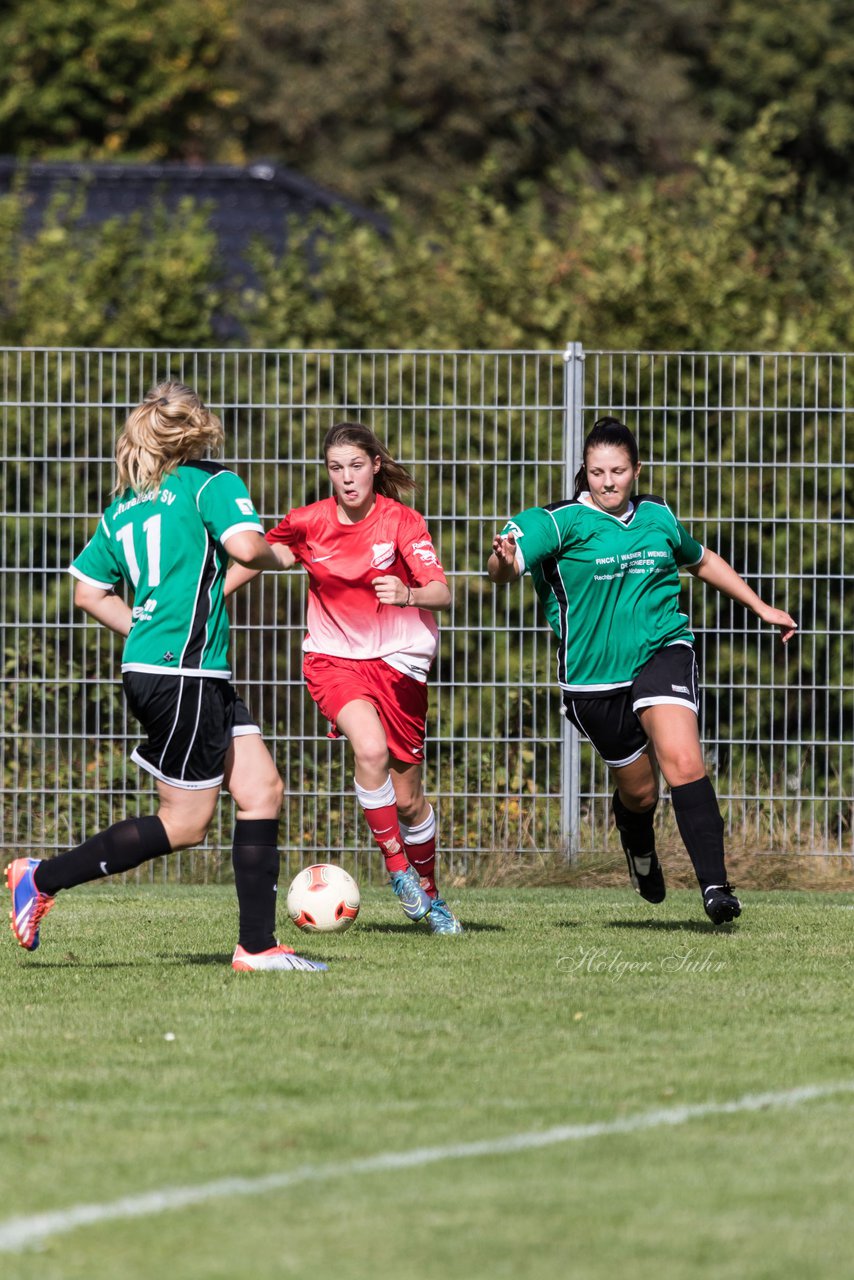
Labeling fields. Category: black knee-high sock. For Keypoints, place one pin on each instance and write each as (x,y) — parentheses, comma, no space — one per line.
(255,858)
(695,807)
(637,833)
(121,847)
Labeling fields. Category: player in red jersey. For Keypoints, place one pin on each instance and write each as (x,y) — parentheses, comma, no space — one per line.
(374,580)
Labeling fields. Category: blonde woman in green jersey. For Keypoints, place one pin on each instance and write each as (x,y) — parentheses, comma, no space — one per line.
(605,565)
(167,536)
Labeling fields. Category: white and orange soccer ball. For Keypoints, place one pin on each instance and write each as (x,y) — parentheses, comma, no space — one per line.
(323,899)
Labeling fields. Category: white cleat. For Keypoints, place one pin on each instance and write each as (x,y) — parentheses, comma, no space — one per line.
(275,958)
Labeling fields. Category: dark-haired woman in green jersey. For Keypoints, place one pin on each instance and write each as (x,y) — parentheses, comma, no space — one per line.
(605,565)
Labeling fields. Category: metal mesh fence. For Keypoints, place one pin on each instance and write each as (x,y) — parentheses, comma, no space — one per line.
(750,450)
(753,454)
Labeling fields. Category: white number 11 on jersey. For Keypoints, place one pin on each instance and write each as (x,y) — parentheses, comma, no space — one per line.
(151,529)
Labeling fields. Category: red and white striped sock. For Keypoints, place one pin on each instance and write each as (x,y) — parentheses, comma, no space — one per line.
(420,844)
(380,809)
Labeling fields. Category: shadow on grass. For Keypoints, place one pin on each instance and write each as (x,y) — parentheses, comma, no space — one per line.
(146,961)
(81,962)
(407,929)
(672,926)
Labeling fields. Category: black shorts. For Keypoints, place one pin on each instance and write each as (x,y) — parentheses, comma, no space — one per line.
(190,722)
(611,721)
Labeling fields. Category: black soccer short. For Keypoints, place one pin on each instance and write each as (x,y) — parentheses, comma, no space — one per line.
(190,722)
(611,722)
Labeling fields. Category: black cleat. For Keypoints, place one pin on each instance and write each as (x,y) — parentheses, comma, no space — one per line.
(636,830)
(646,876)
(721,903)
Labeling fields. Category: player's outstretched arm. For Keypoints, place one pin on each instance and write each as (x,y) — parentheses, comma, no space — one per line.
(714,570)
(502,565)
(253,553)
(105,606)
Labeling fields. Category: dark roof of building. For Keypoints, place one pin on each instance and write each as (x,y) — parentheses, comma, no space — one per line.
(255,200)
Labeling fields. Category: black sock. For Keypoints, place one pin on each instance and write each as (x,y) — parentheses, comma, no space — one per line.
(121,847)
(637,833)
(255,858)
(695,807)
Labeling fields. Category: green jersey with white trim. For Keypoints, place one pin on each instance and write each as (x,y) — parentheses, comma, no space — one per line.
(609,586)
(168,546)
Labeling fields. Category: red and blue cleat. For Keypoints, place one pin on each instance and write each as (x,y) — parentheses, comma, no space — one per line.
(29,904)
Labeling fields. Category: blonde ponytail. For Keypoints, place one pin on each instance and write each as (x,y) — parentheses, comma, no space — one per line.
(171,426)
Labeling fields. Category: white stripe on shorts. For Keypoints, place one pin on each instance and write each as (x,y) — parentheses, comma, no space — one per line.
(174,782)
(666,702)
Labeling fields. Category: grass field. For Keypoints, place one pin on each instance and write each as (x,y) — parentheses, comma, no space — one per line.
(607,1056)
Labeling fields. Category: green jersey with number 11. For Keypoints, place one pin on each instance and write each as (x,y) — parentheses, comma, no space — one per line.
(609,586)
(167,546)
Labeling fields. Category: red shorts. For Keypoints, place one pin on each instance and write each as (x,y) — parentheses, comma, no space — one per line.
(401,702)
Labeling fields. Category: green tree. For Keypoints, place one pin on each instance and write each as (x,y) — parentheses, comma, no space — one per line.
(711,259)
(111,78)
(799,55)
(714,258)
(145,280)
(369,95)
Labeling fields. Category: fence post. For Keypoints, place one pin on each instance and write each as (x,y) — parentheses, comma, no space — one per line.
(573,435)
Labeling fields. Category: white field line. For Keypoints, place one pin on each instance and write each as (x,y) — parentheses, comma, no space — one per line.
(21,1233)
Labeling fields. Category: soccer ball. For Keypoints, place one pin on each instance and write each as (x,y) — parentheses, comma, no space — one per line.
(323,899)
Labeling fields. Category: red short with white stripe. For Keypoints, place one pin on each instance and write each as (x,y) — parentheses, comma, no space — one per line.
(400,701)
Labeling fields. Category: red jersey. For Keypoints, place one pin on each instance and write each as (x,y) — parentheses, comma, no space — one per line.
(345,619)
